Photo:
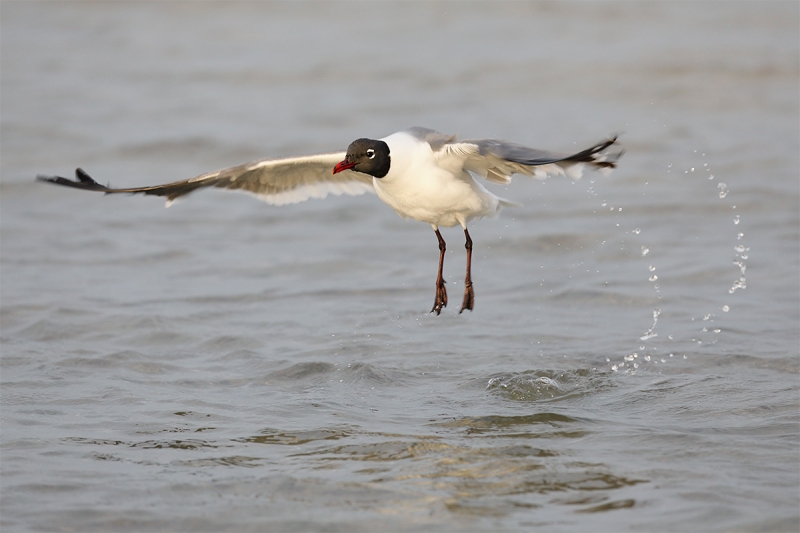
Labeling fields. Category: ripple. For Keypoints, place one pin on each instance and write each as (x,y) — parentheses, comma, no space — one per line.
(610,506)
(507,421)
(46,330)
(380,451)
(229,343)
(128,359)
(365,372)
(353,373)
(301,371)
(234,460)
(538,425)
(274,436)
(187,444)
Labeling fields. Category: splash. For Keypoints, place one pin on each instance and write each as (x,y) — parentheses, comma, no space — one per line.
(742,254)
(708,331)
(650,333)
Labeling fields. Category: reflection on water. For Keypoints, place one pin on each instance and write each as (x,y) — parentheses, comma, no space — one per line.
(481,477)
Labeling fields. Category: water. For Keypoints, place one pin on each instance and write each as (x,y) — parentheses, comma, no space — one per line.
(228,365)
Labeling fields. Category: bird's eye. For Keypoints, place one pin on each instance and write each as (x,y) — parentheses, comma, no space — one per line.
(370,153)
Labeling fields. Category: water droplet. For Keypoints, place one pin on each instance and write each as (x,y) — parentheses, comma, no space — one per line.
(723,190)
(646,357)
(706,317)
(725,308)
(684,356)
(717,330)
(711,177)
(645,250)
(692,169)
(740,235)
(670,337)
(637,231)
(736,219)
(653,277)
(620,209)
(738,284)
(652,268)
(603,204)
(614,368)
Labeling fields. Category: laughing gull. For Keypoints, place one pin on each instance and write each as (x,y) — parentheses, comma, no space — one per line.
(420,173)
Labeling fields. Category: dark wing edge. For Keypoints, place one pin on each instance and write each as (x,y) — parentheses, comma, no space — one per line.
(597,156)
(84,181)
(497,160)
(170,190)
(516,153)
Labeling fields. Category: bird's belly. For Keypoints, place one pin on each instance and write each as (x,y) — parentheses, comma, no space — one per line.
(445,203)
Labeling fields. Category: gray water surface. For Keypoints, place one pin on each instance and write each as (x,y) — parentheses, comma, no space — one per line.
(224,365)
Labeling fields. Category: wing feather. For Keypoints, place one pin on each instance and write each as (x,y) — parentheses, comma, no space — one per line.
(276,181)
(497,161)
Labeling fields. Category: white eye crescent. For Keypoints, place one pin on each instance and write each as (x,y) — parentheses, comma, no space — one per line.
(370,153)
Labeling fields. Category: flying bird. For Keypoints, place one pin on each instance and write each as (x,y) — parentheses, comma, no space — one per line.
(420,173)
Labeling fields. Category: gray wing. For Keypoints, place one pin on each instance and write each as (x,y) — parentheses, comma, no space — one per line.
(276,181)
(498,160)
(435,139)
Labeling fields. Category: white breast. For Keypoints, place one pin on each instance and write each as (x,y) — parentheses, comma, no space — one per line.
(438,192)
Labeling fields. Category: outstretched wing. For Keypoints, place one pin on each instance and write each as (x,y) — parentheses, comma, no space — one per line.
(276,181)
(498,160)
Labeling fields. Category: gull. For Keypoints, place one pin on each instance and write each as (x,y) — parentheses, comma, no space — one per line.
(420,173)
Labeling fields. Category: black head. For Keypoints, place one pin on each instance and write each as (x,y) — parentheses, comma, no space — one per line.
(368,156)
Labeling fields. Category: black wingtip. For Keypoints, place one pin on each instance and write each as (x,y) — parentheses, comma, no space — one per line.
(84,181)
(598,156)
(83,176)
